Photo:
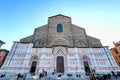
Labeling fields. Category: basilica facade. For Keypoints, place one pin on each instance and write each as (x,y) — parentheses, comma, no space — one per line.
(59,46)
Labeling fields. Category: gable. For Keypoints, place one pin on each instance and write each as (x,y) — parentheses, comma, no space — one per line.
(60,31)
(94,42)
(27,39)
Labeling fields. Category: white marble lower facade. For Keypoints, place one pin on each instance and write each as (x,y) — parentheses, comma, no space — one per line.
(22,56)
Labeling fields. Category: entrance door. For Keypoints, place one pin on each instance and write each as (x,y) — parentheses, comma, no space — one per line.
(86,67)
(33,67)
(60,64)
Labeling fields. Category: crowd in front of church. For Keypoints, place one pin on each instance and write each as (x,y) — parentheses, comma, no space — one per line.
(90,76)
(107,76)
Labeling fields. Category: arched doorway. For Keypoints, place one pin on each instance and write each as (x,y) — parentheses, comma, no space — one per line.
(34,60)
(86,63)
(60,64)
(33,67)
(86,67)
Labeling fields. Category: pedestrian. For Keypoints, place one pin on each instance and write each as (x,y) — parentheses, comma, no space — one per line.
(114,74)
(90,76)
(109,76)
(18,75)
(118,74)
(24,76)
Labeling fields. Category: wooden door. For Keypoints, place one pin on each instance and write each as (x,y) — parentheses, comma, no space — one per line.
(33,67)
(60,64)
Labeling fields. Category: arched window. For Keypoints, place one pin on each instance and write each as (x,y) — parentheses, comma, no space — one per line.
(59,28)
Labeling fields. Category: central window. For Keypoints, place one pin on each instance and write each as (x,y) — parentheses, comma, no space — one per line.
(59,28)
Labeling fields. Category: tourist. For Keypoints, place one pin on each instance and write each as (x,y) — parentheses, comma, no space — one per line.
(24,76)
(18,75)
(118,74)
(114,74)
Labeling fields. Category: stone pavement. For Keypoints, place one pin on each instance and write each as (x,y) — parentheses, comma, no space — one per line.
(51,77)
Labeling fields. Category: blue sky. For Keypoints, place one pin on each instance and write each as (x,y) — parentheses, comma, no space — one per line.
(19,18)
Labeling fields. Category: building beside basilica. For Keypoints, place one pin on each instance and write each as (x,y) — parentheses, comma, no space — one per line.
(115,51)
(62,46)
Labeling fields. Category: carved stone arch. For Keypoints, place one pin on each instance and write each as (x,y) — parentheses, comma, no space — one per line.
(34,58)
(39,42)
(60,52)
(85,58)
(57,49)
(34,61)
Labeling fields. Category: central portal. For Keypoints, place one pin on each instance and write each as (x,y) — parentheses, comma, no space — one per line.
(60,64)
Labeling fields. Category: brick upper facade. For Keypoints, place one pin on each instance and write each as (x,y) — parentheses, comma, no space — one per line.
(72,35)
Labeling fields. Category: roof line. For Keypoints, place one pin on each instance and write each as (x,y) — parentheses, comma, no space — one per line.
(59,15)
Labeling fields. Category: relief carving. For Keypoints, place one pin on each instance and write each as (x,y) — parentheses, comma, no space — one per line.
(38,43)
(80,42)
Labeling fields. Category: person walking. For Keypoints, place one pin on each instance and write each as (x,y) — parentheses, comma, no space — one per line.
(24,76)
(18,75)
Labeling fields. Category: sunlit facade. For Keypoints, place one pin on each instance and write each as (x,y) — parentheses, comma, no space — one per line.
(59,46)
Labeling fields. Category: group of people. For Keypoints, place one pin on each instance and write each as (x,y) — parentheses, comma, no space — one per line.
(104,76)
(92,76)
(2,75)
(118,73)
(43,74)
(19,75)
